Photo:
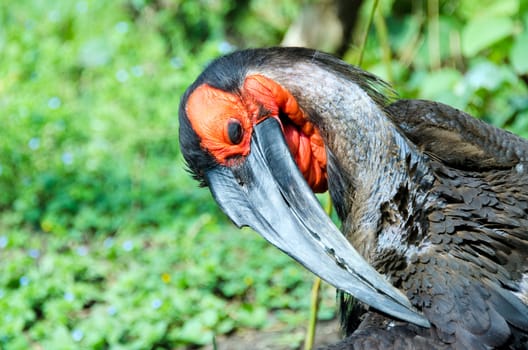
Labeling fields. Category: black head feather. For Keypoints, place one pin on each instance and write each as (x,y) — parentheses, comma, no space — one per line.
(225,73)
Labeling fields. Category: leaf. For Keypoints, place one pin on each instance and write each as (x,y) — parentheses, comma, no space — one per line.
(519,53)
(485,74)
(481,33)
(251,315)
(520,125)
(194,332)
(438,82)
(488,8)
(95,53)
(501,8)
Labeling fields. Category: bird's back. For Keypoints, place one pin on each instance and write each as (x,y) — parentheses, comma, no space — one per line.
(468,268)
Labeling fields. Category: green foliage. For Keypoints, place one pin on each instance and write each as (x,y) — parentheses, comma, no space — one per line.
(105,241)
(471,55)
(90,109)
(179,286)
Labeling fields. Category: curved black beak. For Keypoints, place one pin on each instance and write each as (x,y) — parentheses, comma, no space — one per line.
(268,193)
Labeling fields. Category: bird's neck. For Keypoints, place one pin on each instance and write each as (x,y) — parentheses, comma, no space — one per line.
(375,175)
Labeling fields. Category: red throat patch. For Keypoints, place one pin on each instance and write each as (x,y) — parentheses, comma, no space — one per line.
(211,111)
(303,138)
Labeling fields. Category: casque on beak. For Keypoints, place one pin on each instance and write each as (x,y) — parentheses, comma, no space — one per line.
(268,193)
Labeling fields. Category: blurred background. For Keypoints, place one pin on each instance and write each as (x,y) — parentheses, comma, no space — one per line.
(105,240)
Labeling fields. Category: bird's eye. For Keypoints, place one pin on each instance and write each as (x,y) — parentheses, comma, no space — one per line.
(234,131)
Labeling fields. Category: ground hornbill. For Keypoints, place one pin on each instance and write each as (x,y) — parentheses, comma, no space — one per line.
(433,203)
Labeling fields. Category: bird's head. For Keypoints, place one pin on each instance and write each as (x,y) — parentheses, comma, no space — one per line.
(224,121)
(248,138)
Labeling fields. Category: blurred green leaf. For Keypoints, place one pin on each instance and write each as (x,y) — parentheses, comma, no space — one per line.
(484,74)
(521,124)
(251,315)
(441,82)
(519,53)
(488,8)
(482,32)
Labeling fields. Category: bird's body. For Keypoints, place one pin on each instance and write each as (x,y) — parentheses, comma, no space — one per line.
(433,199)
(462,262)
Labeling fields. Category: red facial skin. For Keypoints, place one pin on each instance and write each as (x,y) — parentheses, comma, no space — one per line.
(210,110)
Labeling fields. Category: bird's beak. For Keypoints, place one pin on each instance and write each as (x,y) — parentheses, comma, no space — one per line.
(268,193)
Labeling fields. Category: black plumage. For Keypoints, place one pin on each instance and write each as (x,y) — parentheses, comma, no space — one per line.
(434,199)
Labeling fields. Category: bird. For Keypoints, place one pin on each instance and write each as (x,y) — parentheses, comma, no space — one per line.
(432,252)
